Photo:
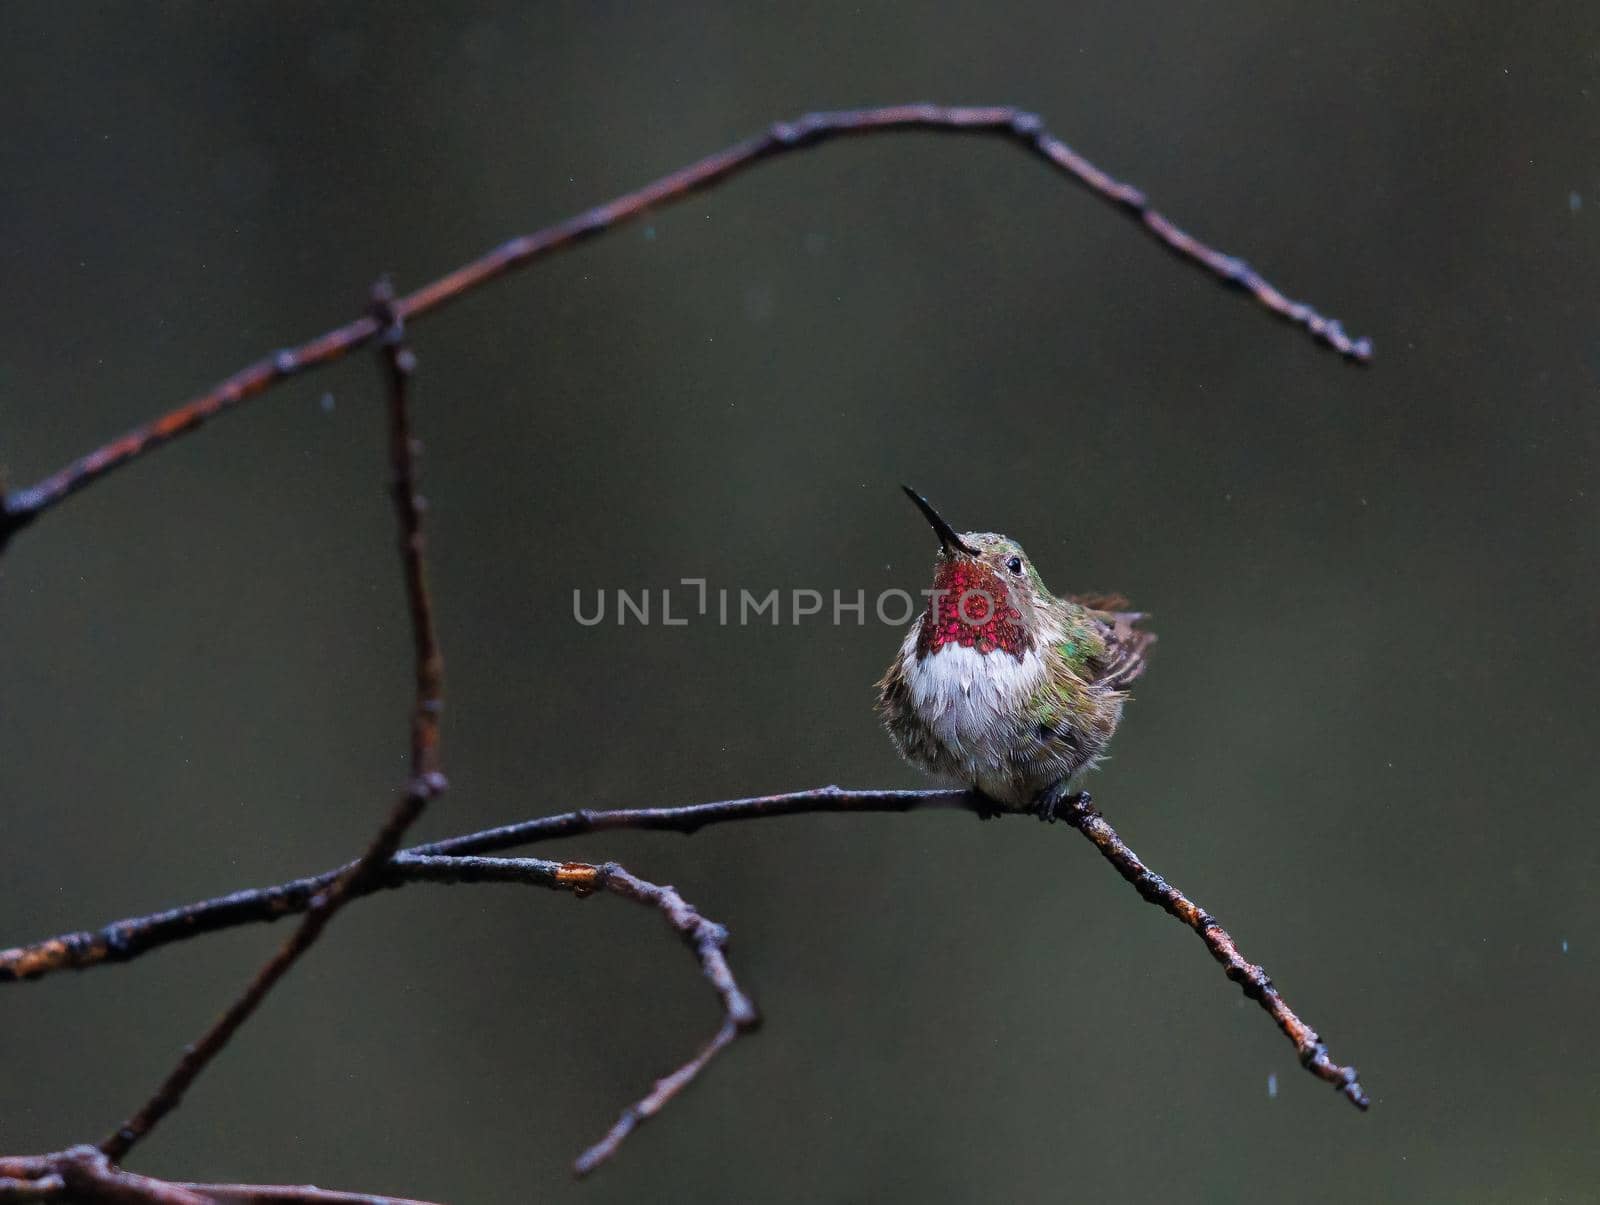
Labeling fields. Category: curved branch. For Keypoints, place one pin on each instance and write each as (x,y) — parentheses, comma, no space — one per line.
(708,939)
(1013,125)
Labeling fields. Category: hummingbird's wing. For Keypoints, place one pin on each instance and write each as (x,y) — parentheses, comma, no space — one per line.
(1127,648)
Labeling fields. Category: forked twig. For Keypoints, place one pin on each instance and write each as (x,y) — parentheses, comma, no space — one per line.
(427,782)
(124,940)
(1024,129)
(707,938)
(127,939)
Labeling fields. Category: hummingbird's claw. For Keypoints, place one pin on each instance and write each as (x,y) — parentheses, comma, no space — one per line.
(1045,807)
(1048,807)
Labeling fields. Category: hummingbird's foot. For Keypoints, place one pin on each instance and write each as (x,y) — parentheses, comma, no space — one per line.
(1056,799)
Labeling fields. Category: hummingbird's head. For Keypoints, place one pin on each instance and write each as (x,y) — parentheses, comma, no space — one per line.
(986,594)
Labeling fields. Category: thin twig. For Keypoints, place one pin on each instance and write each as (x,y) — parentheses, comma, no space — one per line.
(708,939)
(427,782)
(400,363)
(128,938)
(1082,815)
(84,1176)
(1014,125)
(289,1194)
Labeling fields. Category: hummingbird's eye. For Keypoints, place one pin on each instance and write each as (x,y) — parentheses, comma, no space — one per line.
(1015,565)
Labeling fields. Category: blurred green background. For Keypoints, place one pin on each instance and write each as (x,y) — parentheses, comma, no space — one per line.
(1366,742)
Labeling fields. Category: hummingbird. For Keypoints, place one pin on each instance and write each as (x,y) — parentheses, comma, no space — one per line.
(1002,685)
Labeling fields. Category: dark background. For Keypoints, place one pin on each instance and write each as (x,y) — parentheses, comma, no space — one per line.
(1367,741)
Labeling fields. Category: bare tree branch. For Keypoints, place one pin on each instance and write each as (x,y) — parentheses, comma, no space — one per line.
(1253,980)
(449,859)
(84,1176)
(1024,129)
(427,782)
(124,940)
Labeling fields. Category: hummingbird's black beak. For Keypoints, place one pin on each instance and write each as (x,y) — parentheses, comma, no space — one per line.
(947,534)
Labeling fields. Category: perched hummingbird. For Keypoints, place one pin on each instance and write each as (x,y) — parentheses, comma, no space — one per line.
(1001,684)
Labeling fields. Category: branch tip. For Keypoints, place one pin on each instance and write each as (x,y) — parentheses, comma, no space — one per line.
(1080,813)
